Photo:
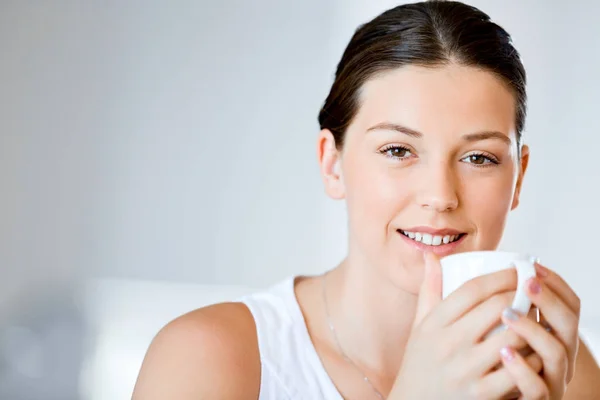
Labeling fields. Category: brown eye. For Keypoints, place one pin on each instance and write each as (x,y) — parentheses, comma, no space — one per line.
(477,159)
(397,152)
(480,160)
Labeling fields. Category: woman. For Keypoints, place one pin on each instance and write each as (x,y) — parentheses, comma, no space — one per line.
(421,136)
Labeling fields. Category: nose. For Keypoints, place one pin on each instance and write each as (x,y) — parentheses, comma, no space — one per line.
(439,189)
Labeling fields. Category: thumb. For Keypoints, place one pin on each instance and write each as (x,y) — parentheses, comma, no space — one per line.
(430,293)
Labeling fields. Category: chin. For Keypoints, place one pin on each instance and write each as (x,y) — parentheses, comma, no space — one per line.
(406,275)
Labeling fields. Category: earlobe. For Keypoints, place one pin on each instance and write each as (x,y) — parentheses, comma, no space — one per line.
(330,165)
(523,162)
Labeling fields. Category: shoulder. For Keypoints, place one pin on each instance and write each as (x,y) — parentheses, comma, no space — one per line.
(211,352)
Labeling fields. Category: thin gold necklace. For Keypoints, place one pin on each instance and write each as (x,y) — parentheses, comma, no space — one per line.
(339,346)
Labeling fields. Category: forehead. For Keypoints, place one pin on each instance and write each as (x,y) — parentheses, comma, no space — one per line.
(452,99)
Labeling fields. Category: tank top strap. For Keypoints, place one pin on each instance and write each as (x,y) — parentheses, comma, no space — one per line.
(290,366)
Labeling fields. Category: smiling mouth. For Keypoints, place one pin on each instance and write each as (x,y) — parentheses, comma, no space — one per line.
(431,240)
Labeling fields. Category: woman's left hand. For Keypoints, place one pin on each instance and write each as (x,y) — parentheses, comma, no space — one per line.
(555,340)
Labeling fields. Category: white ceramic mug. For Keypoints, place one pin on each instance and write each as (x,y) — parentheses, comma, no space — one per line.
(462,267)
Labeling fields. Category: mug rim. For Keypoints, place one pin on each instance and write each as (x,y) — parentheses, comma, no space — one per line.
(511,254)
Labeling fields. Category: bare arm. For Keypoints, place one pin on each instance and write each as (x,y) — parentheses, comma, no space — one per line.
(586,381)
(207,354)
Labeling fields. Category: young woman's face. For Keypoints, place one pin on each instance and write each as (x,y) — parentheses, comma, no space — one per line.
(430,163)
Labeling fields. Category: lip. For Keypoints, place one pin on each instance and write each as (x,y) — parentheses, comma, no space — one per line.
(442,250)
(433,231)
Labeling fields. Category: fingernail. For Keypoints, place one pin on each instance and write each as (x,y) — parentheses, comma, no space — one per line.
(510,314)
(534,286)
(541,270)
(507,353)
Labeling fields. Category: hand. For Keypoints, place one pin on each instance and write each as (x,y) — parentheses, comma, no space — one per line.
(560,308)
(445,357)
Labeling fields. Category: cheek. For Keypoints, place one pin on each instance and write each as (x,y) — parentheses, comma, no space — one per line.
(374,196)
(487,201)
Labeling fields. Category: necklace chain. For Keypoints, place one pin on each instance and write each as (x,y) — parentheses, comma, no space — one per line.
(339,346)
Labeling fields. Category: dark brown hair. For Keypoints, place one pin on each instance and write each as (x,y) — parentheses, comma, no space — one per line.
(429,34)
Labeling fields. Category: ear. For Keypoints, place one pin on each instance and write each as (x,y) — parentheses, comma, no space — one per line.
(524,161)
(330,165)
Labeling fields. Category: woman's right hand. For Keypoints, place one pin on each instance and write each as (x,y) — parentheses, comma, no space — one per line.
(445,356)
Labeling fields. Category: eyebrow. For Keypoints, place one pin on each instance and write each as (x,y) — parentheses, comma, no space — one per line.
(388,126)
(470,137)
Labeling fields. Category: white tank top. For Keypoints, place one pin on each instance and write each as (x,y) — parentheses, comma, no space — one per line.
(290,366)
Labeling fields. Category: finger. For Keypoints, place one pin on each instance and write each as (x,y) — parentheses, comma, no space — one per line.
(500,383)
(562,319)
(430,293)
(485,316)
(528,382)
(473,292)
(560,287)
(482,357)
(552,351)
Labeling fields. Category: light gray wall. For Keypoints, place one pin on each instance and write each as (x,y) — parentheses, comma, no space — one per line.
(176,141)
(164,142)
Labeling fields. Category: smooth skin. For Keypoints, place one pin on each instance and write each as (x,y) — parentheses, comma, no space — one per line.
(433,147)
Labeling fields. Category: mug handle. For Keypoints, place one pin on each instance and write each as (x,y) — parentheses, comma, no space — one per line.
(525,271)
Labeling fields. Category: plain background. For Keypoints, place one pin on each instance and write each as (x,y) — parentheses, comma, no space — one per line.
(176,141)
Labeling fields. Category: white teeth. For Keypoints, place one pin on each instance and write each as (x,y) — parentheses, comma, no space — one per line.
(431,240)
(427,239)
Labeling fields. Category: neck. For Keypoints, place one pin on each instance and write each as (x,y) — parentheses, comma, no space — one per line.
(372,317)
